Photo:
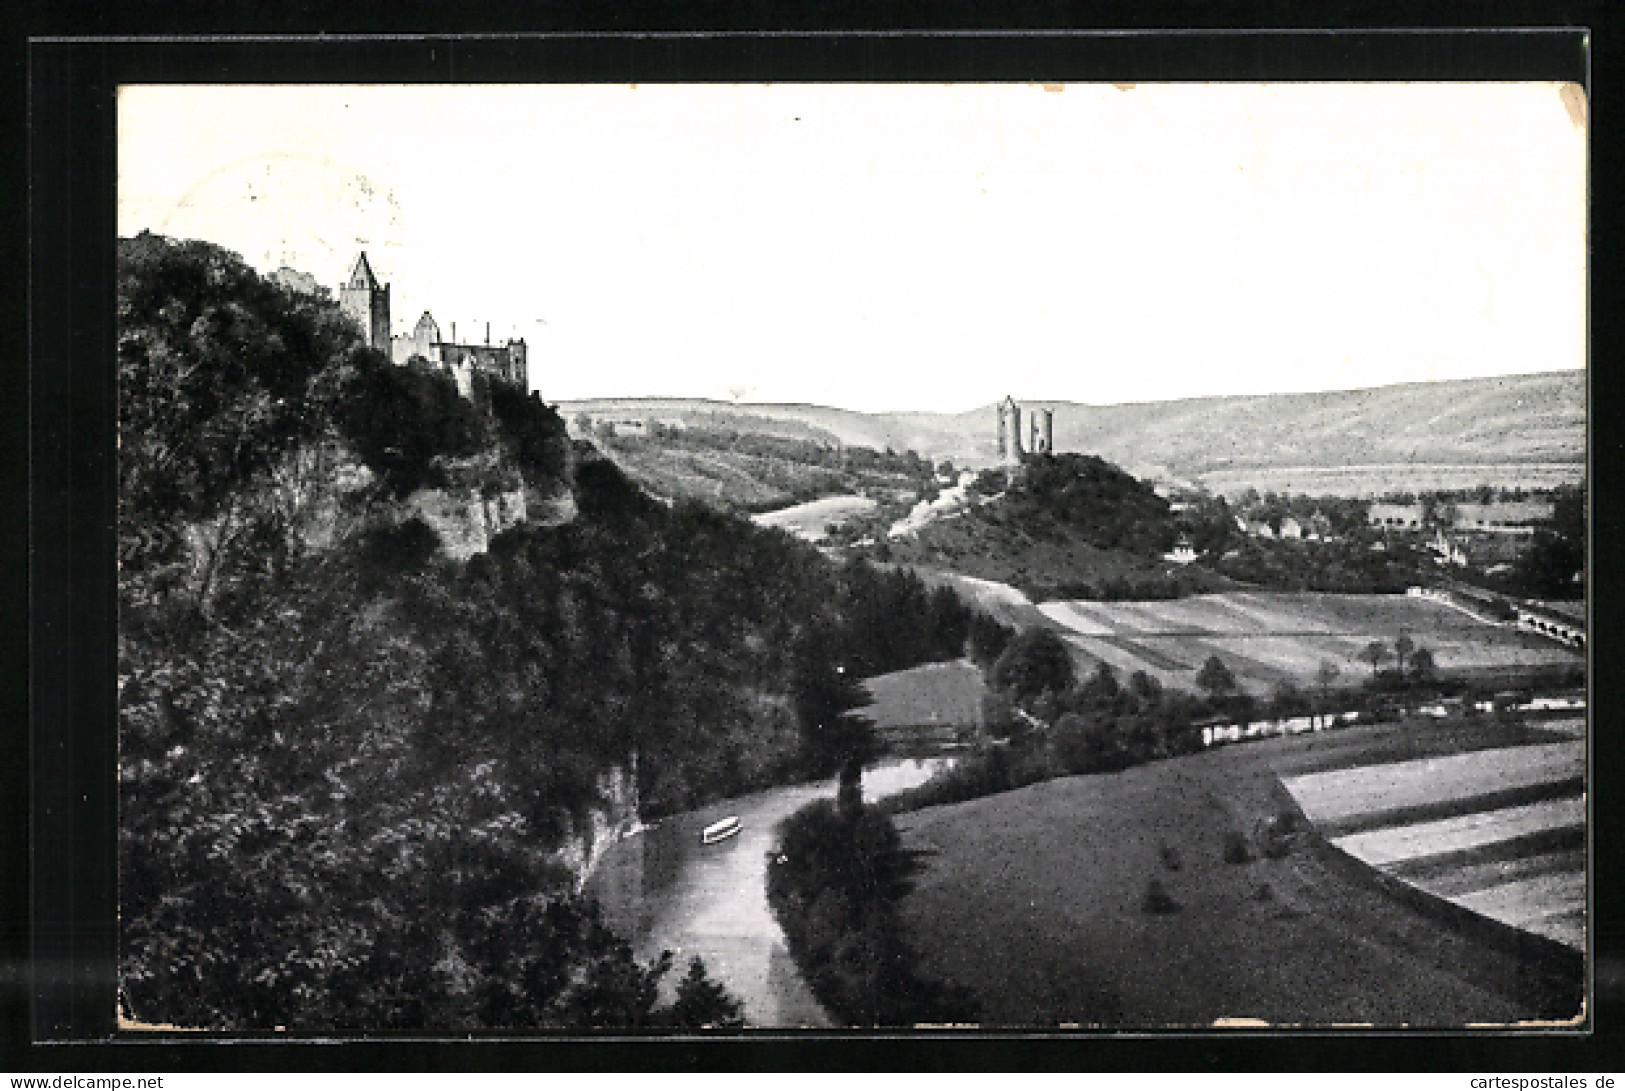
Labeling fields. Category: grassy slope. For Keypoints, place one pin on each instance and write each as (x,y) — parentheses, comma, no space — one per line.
(1032,898)
(723,479)
(945,693)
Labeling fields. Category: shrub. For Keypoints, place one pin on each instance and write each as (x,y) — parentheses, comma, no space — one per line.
(1277,833)
(1170,857)
(1264,893)
(1157,900)
(1236,849)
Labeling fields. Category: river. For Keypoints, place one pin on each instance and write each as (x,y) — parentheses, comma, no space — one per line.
(665,891)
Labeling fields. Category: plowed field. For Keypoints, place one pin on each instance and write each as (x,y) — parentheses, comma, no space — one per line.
(1268,638)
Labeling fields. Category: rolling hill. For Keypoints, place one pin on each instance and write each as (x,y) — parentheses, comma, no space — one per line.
(1511,430)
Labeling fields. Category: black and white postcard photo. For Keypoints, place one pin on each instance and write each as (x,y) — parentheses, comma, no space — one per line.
(709,558)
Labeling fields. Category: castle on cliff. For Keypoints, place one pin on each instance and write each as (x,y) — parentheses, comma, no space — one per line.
(367,301)
(1041,440)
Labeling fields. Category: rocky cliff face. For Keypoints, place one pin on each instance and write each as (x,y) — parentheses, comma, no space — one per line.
(605,825)
(466,519)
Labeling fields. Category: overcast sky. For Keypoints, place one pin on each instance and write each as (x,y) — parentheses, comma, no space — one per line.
(912,246)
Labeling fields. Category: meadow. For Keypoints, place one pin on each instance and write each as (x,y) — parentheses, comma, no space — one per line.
(811,521)
(1268,638)
(1041,902)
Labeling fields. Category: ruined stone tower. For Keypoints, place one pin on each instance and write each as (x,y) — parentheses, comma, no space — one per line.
(367,301)
(1009,432)
(1043,432)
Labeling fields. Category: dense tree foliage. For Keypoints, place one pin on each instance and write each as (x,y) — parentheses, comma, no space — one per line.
(404,423)
(825,698)
(1037,661)
(1343,567)
(356,776)
(1093,725)
(833,883)
(1554,565)
(220,374)
(1109,508)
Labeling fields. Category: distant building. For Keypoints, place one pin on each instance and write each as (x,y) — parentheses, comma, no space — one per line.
(1010,451)
(1504,516)
(1395,516)
(367,301)
(1449,551)
(1184,552)
(1291,528)
(1254,528)
(506,361)
(1040,435)
(1043,431)
(295,281)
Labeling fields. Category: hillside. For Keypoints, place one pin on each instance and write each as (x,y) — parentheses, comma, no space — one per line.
(395,663)
(1068,526)
(1520,429)
(1038,900)
(718,461)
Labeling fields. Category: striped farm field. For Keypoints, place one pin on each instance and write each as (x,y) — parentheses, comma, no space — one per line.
(1452,835)
(1347,793)
(1500,831)
(1266,638)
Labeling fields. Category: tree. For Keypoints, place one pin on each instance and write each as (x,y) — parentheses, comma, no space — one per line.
(1374,653)
(1215,678)
(1037,660)
(1402,651)
(1326,674)
(824,695)
(1423,668)
(1287,700)
(701,1002)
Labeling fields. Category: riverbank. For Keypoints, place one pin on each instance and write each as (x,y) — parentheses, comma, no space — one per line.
(665,891)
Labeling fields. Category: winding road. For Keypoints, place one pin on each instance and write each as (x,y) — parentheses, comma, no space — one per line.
(665,891)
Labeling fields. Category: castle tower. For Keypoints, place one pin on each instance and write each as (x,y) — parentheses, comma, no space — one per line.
(425,336)
(1009,431)
(367,301)
(1043,432)
(518,365)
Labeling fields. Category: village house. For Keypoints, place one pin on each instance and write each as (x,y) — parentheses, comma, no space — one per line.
(1395,516)
(1184,552)
(1503,516)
